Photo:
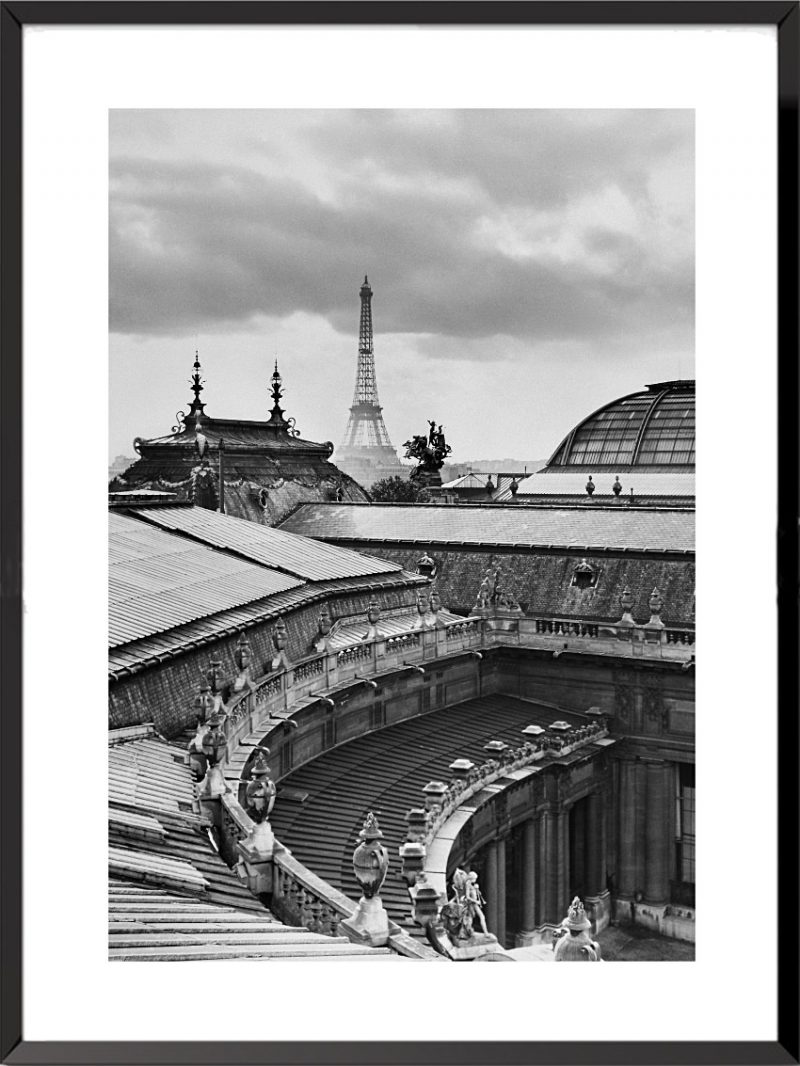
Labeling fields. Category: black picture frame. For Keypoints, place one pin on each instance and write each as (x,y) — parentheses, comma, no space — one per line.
(14,18)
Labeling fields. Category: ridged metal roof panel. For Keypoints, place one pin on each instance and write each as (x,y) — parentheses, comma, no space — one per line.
(627,529)
(144,650)
(300,556)
(158,581)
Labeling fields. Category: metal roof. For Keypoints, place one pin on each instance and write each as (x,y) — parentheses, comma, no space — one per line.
(574,484)
(171,895)
(468,481)
(300,556)
(586,529)
(158,646)
(158,581)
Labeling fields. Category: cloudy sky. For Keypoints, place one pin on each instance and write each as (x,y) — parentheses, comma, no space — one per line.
(527,266)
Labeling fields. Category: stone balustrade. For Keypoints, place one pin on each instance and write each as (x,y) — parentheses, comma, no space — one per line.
(679,636)
(565,628)
(310,668)
(299,897)
(267,702)
(402,642)
(425,824)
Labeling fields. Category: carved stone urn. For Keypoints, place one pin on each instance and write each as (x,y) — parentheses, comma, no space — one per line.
(626,603)
(259,796)
(279,642)
(370,859)
(574,944)
(369,922)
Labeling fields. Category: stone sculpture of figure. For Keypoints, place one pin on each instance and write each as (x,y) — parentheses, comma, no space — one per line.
(473,900)
(466,904)
(513,487)
(590,486)
(429,449)
(485,592)
(616,488)
(455,915)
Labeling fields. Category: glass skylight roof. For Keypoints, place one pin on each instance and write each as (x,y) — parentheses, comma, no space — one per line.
(654,428)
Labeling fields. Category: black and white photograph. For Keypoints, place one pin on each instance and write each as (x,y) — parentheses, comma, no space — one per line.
(401,518)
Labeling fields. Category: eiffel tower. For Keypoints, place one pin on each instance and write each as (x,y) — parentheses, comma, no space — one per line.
(367,453)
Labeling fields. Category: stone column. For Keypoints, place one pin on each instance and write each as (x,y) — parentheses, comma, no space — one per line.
(595,845)
(597,897)
(546,870)
(562,860)
(491,887)
(659,837)
(529,871)
(500,931)
(626,810)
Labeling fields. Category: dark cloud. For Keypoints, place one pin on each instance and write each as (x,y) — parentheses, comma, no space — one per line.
(471,224)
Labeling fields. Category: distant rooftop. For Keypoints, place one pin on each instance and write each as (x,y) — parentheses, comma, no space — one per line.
(644,483)
(512,526)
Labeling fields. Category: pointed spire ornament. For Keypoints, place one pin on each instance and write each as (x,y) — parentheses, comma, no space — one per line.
(197,407)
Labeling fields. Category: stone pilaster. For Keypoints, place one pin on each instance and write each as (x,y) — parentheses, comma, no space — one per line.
(659,837)
(626,810)
(597,897)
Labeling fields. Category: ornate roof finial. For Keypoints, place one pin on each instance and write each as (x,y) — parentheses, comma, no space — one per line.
(197,406)
(276,419)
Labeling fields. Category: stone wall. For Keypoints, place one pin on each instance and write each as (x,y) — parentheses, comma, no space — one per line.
(542,581)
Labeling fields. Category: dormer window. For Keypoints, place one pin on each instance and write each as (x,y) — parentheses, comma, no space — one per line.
(584,576)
